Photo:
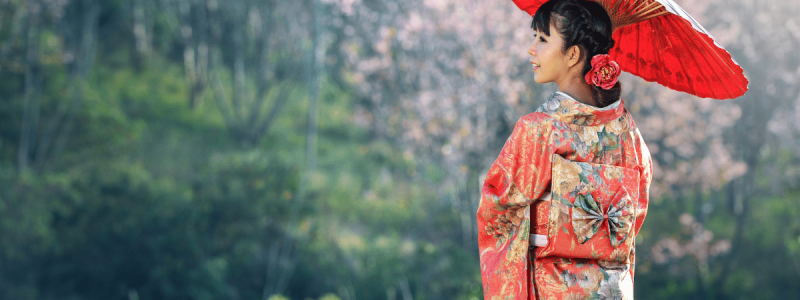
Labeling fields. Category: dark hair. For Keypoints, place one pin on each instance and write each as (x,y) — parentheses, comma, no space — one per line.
(585,24)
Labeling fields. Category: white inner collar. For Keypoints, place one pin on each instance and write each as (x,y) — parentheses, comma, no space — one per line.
(609,107)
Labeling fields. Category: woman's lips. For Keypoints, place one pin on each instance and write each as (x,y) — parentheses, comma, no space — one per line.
(535,65)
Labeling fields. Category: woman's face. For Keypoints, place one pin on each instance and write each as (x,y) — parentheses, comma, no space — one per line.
(548,57)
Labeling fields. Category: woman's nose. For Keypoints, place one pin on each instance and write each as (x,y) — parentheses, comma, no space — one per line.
(532,49)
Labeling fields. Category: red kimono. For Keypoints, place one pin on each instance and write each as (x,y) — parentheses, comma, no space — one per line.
(575,179)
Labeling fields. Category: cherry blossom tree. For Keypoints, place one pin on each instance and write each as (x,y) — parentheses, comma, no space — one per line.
(446,80)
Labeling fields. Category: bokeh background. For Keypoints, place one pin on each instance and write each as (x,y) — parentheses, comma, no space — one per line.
(335,149)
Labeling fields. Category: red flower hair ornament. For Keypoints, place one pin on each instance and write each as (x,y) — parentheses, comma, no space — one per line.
(604,72)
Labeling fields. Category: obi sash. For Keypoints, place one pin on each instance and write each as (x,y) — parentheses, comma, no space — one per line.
(590,213)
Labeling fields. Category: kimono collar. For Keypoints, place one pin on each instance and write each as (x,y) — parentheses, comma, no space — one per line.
(566,109)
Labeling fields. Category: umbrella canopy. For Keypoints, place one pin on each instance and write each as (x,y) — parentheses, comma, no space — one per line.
(658,41)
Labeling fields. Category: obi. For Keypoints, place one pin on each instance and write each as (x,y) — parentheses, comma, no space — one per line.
(590,213)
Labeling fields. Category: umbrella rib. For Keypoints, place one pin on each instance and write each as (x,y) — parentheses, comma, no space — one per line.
(649,8)
(719,61)
(681,65)
(726,64)
(624,13)
(658,57)
(658,54)
(634,69)
(696,57)
(708,63)
(638,43)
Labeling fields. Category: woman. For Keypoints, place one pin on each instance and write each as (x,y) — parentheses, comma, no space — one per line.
(561,205)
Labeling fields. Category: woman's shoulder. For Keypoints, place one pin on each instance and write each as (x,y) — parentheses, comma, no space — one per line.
(536,120)
(547,114)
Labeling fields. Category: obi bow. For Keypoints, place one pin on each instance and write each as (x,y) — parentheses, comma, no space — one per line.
(588,216)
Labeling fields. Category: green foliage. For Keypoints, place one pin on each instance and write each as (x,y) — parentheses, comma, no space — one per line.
(767,257)
(154,199)
(329,297)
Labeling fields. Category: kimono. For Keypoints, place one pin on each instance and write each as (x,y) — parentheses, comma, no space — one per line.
(574,178)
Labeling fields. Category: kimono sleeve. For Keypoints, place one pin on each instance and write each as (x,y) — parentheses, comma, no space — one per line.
(521,172)
(646,167)
(646,177)
(520,175)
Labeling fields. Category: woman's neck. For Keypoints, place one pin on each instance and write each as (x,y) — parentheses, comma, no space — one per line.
(578,90)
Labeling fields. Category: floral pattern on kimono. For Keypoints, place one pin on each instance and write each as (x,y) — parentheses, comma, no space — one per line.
(603,172)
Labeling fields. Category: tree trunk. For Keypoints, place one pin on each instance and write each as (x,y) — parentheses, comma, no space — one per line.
(141,32)
(61,124)
(33,82)
(314,87)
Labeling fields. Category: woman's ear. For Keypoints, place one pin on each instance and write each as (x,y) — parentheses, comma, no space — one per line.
(573,55)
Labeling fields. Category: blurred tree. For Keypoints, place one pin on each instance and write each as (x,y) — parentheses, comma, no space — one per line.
(440,80)
(248,63)
(68,37)
(774,86)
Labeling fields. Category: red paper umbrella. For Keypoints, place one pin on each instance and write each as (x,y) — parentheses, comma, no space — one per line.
(658,41)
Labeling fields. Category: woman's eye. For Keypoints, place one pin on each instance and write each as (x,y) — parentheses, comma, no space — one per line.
(542,39)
